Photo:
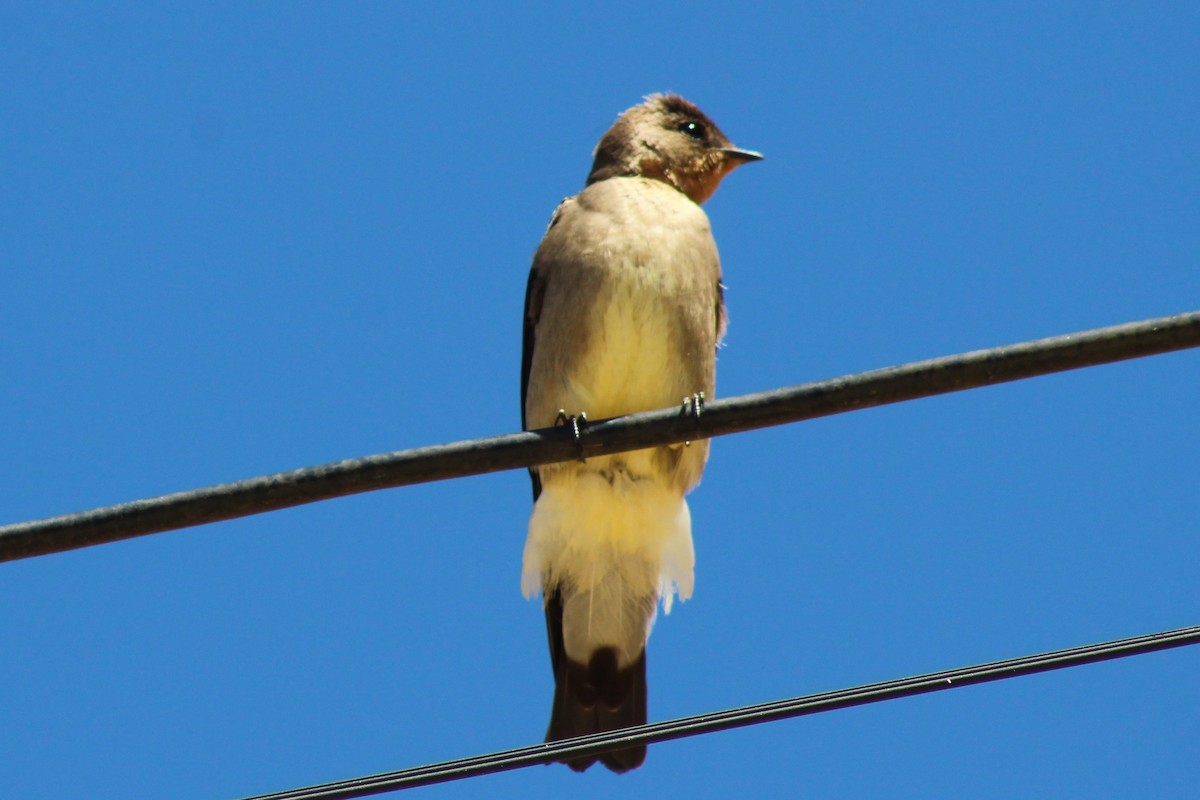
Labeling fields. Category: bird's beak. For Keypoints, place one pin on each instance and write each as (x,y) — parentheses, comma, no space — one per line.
(737,154)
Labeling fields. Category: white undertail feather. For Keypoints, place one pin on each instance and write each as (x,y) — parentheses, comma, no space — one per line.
(615,544)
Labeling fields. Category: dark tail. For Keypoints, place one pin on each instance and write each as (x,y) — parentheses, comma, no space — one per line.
(595,697)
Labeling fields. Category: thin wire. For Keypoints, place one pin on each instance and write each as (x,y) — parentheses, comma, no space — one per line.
(740,717)
(511,451)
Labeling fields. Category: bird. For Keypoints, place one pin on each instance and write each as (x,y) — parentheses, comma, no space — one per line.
(624,309)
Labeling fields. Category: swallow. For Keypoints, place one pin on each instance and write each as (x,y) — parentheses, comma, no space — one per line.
(624,310)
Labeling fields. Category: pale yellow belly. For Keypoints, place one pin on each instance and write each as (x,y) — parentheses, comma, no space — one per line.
(632,364)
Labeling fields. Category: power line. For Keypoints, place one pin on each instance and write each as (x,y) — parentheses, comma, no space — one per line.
(740,717)
(511,451)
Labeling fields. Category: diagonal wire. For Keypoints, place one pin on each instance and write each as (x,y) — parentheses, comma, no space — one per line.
(511,451)
(740,717)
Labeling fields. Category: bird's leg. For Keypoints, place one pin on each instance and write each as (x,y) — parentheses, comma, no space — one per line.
(578,424)
(693,407)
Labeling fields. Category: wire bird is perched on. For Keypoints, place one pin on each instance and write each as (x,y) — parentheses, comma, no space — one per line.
(623,313)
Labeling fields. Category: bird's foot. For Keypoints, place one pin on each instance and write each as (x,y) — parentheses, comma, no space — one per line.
(693,407)
(577,424)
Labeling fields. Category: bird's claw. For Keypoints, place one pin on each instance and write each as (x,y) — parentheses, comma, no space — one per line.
(693,407)
(577,424)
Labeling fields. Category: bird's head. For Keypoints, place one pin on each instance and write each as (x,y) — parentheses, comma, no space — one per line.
(668,138)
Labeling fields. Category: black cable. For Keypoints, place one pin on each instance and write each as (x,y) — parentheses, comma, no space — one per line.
(492,454)
(740,717)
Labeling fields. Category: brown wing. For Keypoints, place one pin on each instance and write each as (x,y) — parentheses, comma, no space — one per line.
(535,291)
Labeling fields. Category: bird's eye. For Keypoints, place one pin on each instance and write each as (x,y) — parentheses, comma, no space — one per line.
(692,129)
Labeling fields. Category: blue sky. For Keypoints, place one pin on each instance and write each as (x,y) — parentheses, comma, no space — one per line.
(241,238)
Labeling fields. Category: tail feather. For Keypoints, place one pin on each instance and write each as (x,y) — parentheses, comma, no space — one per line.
(594,698)
(603,548)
